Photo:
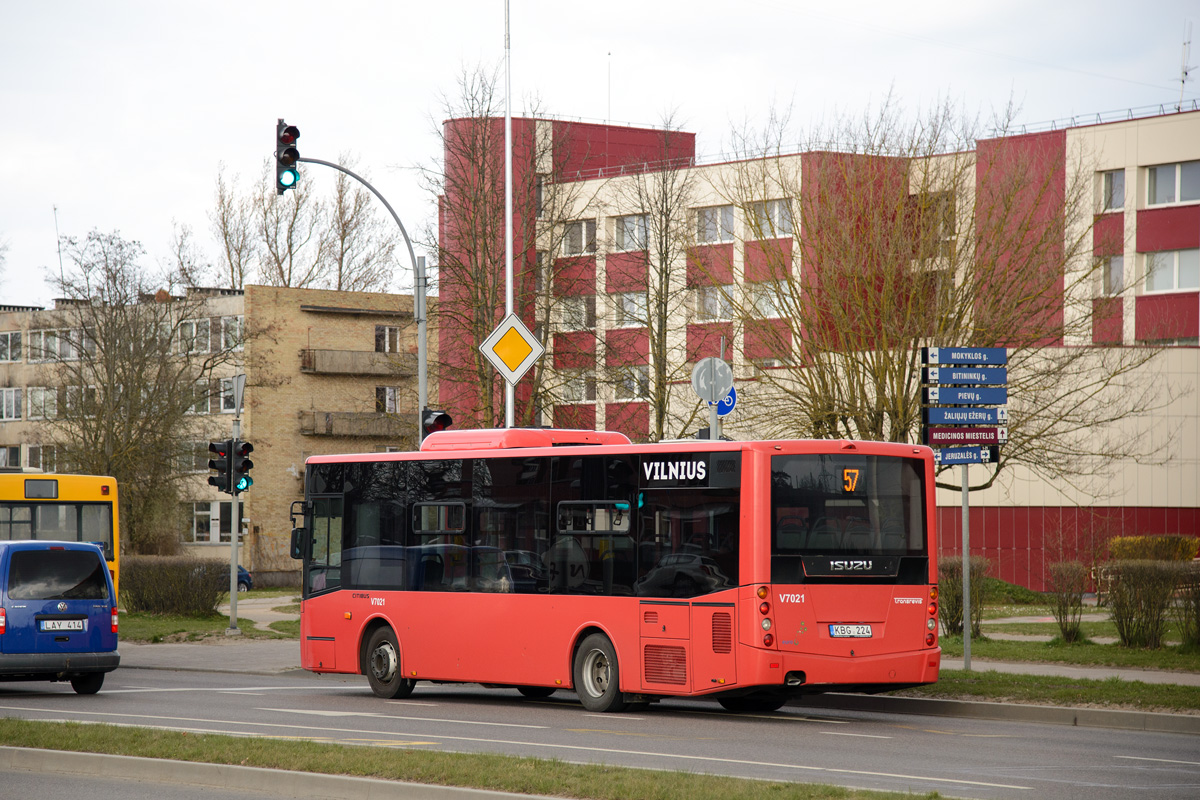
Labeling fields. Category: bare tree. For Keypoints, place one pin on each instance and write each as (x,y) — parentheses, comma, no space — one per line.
(293,234)
(908,234)
(119,351)
(232,221)
(469,241)
(187,266)
(662,222)
(362,246)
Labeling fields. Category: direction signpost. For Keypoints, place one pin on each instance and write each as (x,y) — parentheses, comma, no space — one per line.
(965,388)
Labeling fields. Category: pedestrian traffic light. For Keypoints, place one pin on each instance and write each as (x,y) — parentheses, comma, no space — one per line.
(286,156)
(218,459)
(242,466)
(433,420)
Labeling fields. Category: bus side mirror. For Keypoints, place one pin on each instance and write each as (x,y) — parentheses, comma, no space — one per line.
(297,542)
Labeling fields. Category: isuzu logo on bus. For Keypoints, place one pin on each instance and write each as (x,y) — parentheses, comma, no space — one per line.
(850,564)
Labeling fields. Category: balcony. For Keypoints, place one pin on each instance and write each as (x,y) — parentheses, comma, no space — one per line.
(357,362)
(363,424)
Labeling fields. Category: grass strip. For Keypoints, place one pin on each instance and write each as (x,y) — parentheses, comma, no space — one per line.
(144,628)
(399,763)
(1006,687)
(1084,654)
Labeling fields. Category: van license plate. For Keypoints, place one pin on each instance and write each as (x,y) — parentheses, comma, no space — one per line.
(63,625)
(850,631)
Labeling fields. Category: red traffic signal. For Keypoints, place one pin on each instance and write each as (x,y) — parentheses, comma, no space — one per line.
(218,460)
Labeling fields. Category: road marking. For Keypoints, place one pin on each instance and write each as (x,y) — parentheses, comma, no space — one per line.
(410,703)
(590,749)
(1162,760)
(222,689)
(859,735)
(393,716)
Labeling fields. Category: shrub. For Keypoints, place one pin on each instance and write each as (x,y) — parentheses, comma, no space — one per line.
(1172,547)
(1187,609)
(950,594)
(1068,580)
(173,585)
(1140,595)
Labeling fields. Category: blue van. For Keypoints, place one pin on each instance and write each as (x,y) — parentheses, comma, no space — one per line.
(58,614)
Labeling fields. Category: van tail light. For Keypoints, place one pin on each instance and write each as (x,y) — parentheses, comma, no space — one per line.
(114,619)
(3,620)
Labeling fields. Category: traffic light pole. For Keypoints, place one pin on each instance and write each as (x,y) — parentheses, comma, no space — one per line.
(235,527)
(418,280)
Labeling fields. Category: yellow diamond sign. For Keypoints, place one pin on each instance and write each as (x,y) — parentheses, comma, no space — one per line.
(512,349)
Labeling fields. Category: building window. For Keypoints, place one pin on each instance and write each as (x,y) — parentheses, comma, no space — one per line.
(211,523)
(10,403)
(50,345)
(713,304)
(194,457)
(766,298)
(199,398)
(631,232)
(82,400)
(539,195)
(43,402)
(580,238)
(1172,270)
(763,364)
(10,455)
(714,224)
(387,399)
(578,312)
(41,456)
(1114,190)
(10,346)
(387,339)
(1173,183)
(772,219)
(231,333)
(579,386)
(631,309)
(1114,275)
(194,336)
(228,401)
(633,383)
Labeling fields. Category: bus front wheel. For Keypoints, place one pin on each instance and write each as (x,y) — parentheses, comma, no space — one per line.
(383,666)
(597,677)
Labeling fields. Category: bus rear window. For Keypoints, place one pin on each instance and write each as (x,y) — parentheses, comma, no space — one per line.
(845,504)
(56,575)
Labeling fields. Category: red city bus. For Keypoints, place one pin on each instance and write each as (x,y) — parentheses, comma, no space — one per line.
(544,559)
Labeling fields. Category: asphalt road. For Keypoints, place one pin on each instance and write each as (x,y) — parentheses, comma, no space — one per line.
(956,757)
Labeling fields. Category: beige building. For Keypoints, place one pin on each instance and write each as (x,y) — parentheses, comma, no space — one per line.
(326,372)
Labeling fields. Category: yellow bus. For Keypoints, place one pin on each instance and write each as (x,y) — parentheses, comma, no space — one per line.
(73,508)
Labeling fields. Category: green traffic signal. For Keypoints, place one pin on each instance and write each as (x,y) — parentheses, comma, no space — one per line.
(242,466)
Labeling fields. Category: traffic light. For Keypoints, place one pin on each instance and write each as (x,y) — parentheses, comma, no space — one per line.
(242,466)
(218,459)
(433,420)
(286,156)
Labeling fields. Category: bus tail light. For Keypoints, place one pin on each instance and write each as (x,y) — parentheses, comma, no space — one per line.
(114,619)
(766,624)
(930,639)
(932,608)
(763,592)
(933,593)
(764,608)
(931,624)
(768,640)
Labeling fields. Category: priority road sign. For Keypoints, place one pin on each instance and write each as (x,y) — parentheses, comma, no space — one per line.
(512,349)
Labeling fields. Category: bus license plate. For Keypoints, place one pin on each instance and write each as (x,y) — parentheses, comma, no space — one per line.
(850,631)
(63,624)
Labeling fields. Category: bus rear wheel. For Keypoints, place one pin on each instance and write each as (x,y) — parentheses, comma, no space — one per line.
(597,676)
(383,666)
(752,703)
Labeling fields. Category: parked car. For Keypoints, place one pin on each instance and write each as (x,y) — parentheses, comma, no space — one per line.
(245,579)
(58,614)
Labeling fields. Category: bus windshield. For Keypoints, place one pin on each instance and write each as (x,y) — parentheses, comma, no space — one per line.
(828,508)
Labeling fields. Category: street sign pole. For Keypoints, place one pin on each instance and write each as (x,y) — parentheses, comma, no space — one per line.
(235,517)
(966,569)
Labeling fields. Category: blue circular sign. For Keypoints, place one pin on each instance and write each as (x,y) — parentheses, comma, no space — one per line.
(726,403)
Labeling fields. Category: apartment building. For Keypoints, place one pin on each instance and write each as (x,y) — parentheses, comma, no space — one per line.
(1130,283)
(326,372)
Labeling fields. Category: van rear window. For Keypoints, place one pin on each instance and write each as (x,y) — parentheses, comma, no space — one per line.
(57,575)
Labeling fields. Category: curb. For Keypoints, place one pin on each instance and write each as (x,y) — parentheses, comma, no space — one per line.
(257,780)
(1054,715)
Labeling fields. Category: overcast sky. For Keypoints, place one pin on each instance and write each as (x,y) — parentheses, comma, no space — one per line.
(119,114)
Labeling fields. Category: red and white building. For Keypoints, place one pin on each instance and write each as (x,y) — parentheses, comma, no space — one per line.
(1145,172)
